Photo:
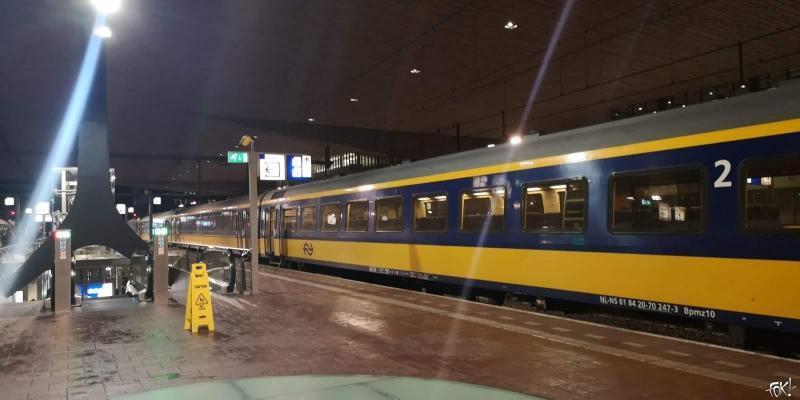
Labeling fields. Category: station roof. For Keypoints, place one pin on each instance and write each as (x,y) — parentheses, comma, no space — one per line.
(187,79)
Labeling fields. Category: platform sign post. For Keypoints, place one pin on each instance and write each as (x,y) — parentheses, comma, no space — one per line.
(160,266)
(253,167)
(199,311)
(63,270)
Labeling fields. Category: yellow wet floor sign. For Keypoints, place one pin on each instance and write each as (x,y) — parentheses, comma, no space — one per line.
(198,301)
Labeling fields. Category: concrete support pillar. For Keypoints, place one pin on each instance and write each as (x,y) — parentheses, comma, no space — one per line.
(252,242)
(63,271)
(160,267)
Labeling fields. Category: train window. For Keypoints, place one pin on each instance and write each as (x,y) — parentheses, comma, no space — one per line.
(330,217)
(668,201)
(772,194)
(389,214)
(555,206)
(309,215)
(483,209)
(357,216)
(430,212)
(290,219)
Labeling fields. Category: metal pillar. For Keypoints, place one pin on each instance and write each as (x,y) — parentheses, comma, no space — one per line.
(160,268)
(63,271)
(253,217)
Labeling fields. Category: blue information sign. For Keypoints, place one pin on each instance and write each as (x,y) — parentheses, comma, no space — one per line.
(298,167)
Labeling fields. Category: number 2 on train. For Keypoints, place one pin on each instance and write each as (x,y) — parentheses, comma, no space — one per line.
(722,181)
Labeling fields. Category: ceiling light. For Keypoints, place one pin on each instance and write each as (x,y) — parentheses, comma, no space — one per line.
(130,210)
(558,187)
(311,120)
(490,145)
(510,25)
(515,140)
(193,202)
(533,189)
(353,100)
(440,197)
(640,108)
(743,86)
(414,71)
(180,205)
(656,197)
(423,199)
(710,93)
(28,211)
(102,31)
(106,6)
(683,105)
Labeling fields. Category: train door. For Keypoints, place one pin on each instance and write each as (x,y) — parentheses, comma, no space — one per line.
(265,230)
(277,230)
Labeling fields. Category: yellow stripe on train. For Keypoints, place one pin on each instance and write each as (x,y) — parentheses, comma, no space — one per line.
(766,287)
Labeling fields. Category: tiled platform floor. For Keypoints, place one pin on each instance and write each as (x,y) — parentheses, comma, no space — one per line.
(309,324)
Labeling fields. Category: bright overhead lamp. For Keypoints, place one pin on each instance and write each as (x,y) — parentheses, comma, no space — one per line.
(9,201)
(130,210)
(510,25)
(193,203)
(311,120)
(440,198)
(515,140)
(414,71)
(490,145)
(534,189)
(28,211)
(121,208)
(106,6)
(558,187)
(102,31)
(157,200)
(354,100)
(180,205)
(423,199)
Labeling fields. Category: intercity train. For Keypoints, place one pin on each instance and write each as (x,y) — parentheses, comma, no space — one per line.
(692,212)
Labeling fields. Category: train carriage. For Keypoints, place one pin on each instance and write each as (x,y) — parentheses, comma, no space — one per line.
(693,212)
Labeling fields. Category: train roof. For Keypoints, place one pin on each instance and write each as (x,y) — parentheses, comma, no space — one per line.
(756,108)
(761,107)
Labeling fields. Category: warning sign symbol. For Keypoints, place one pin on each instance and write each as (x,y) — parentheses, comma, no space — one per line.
(198,312)
(201,301)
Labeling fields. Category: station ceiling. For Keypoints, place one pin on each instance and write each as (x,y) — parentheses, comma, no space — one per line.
(187,78)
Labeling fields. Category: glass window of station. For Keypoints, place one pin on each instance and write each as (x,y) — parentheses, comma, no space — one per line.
(309,219)
(483,209)
(555,206)
(389,214)
(430,212)
(772,194)
(665,201)
(330,217)
(357,216)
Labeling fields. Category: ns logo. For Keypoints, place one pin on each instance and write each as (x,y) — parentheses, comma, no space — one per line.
(308,249)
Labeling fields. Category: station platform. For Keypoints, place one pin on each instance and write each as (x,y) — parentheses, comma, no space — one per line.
(303,324)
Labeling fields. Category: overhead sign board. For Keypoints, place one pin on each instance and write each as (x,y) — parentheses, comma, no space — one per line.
(298,167)
(237,157)
(271,167)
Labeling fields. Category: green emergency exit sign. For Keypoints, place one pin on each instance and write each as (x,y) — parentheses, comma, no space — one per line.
(237,157)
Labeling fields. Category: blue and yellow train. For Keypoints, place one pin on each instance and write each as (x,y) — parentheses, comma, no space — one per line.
(692,212)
